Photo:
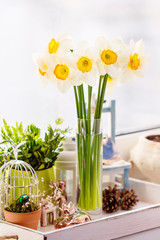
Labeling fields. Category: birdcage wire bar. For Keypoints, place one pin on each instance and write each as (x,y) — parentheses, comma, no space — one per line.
(16,178)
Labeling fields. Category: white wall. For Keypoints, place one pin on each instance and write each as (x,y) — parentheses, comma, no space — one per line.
(26,26)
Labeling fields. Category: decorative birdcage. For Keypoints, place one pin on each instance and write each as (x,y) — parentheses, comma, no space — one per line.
(17,178)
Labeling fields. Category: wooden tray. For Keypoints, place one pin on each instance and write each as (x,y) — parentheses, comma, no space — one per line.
(144,216)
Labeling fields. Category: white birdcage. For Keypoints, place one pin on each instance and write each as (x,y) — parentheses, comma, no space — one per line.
(17,178)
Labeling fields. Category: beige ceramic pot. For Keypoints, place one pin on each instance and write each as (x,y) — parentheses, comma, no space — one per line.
(29,220)
(145,158)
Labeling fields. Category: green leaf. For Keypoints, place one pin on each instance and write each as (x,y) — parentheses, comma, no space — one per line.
(46,160)
(40,153)
(59,121)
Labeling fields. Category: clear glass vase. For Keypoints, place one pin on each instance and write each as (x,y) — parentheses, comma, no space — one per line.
(89,155)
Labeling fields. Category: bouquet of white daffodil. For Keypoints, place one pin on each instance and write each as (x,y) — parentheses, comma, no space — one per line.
(108,63)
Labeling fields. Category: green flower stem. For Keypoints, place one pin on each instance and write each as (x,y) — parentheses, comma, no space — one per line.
(96,143)
(82,146)
(103,90)
(80,102)
(88,152)
(83,101)
(86,146)
(89,144)
(79,146)
(99,171)
(78,138)
(89,106)
(76,98)
(98,98)
(94,175)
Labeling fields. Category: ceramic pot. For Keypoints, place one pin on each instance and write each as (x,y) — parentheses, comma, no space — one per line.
(29,220)
(145,158)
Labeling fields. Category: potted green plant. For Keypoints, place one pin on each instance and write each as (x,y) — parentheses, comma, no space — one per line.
(40,153)
(23,212)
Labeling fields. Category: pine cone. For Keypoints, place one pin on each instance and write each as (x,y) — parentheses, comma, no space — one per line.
(111,199)
(128,199)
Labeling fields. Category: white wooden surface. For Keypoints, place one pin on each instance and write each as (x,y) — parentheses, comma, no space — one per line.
(147,235)
(23,234)
(111,228)
(145,216)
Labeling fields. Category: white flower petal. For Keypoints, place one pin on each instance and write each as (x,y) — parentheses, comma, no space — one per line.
(66,45)
(75,78)
(81,48)
(139,73)
(100,67)
(123,58)
(63,85)
(139,47)
(91,77)
(36,58)
(44,80)
(91,53)
(52,79)
(117,44)
(132,45)
(112,70)
(69,60)
(111,86)
(39,60)
(101,43)
(126,75)
(144,61)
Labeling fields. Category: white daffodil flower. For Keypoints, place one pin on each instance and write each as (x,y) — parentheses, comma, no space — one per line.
(44,67)
(60,45)
(64,74)
(137,60)
(111,56)
(85,64)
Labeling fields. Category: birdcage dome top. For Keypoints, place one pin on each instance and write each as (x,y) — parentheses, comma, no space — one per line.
(17,173)
(18,168)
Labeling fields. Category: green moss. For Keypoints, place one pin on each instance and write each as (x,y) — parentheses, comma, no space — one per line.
(20,207)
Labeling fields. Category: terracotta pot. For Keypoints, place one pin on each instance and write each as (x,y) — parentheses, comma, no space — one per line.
(29,220)
(145,158)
